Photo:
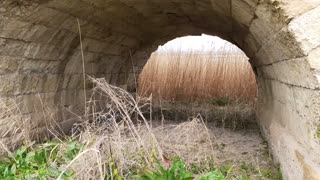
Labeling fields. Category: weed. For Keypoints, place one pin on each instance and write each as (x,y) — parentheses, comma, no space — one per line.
(220,101)
(195,168)
(213,175)
(268,173)
(225,169)
(243,177)
(73,148)
(176,172)
(248,168)
(244,166)
(278,174)
(318,131)
(39,162)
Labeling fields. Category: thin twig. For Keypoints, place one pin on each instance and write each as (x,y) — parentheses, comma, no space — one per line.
(83,68)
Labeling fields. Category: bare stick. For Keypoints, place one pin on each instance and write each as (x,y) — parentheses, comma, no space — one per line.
(134,72)
(83,68)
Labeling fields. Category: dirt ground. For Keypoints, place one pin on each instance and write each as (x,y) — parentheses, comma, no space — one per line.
(244,148)
(228,136)
(237,152)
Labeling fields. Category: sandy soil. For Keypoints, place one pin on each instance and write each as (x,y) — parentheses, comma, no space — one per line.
(240,151)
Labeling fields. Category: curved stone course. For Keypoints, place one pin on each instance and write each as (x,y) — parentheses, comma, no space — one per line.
(41,66)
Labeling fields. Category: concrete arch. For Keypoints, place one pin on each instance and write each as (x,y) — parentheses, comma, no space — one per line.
(40,57)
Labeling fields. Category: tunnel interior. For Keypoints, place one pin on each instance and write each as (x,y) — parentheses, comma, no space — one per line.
(41,63)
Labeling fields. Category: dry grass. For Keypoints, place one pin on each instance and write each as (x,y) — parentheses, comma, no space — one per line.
(115,136)
(119,138)
(18,127)
(119,141)
(198,74)
(116,132)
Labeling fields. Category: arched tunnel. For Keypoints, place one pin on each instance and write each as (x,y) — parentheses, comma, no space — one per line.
(41,60)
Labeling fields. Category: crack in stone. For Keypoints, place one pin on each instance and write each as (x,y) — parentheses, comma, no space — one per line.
(292,85)
(291,59)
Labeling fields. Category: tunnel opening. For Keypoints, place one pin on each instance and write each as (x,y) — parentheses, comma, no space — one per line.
(190,60)
(197,74)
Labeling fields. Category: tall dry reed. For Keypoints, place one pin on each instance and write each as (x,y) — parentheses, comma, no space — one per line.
(198,74)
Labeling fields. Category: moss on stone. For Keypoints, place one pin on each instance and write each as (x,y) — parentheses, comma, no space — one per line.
(318,131)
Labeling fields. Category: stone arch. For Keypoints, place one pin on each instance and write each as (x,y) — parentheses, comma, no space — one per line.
(40,58)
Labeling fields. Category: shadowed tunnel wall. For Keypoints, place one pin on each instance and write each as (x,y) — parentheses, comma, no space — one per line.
(41,66)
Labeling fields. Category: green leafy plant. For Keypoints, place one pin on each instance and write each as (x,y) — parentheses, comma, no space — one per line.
(73,149)
(243,177)
(213,175)
(225,169)
(220,101)
(318,131)
(175,172)
(39,162)
(113,172)
(278,174)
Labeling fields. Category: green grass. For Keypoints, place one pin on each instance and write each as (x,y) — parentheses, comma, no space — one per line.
(220,101)
(175,172)
(48,160)
(179,171)
(38,162)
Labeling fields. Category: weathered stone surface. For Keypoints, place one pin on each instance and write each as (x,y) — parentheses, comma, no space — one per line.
(38,66)
(306,29)
(41,64)
(242,12)
(295,72)
(313,59)
(8,64)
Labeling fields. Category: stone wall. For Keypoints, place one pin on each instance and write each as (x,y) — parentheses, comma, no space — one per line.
(41,66)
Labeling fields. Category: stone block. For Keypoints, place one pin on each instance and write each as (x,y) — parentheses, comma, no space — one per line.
(306,29)
(295,72)
(8,64)
(242,13)
(39,66)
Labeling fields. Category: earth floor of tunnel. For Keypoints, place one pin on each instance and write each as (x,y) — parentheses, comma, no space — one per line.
(237,152)
(237,144)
